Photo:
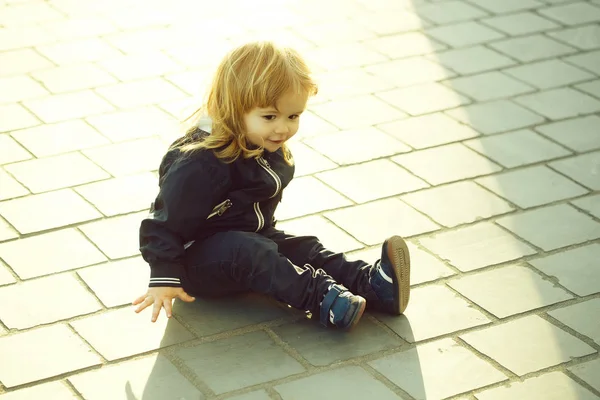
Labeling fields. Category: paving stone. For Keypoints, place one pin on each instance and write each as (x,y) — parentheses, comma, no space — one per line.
(428,130)
(78,51)
(62,137)
(49,351)
(453,162)
(51,391)
(140,93)
(193,82)
(344,56)
(346,113)
(70,301)
(10,187)
(374,222)
(28,13)
(589,372)
(57,172)
(592,88)
(387,23)
(472,60)
(15,116)
(589,61)
(121,195)
(238,362)
(17,88)
(121,333)
(372,180)
(548,74)
(424,99)
(590,203)
(6,232)
(258,395)
(405,45)
(349,382)
(342,147)
(572,14)
(437,370)
(583,169)
(307,195)
(551,386)
(532,187)
(476,246)
(151,378)
(410,71)
(16,37)
(532,48)
(520,23)
(348,82)
(449,11)
(434,303)
(66,106)
(331,236)
(577,317)
(575,269)
(145,39)
(46,211)
(117,237)
(11,151)
(307,161)
(129,157)
(79,27)
(495,116)
(21,61)
(568,226)
(464,34)
(138,66)
(6,277)
(322,347)
(133,274)
(507,6)
(488,86)
(73,77)
(313,125)
(584,37)
(334,32)
(527,344)
(560,103)
(55,252)
(509,290)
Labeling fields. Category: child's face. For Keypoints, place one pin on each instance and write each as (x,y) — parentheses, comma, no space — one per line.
(272,127)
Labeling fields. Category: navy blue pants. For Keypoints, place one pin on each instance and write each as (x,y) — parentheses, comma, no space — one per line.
(296,270)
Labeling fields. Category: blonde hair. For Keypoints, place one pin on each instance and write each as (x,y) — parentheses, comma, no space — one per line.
(253,75)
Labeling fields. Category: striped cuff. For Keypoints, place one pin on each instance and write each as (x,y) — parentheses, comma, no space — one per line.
(160,281)
(166,275)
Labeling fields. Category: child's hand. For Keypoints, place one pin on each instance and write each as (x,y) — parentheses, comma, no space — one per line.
(161,297)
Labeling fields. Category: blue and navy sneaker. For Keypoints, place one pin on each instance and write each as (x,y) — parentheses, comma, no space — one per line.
(391,279)
(341,308)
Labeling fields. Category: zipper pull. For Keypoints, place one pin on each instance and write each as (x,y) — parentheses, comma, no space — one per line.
(224,207)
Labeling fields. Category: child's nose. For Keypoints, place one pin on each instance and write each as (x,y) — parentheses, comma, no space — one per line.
(282,128)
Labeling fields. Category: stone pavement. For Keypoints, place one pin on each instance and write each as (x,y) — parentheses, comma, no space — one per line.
(472,127)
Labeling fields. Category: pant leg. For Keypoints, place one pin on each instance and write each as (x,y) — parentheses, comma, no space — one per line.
(301,250)
(230,262)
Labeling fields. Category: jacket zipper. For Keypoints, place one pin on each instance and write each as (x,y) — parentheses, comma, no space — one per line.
(265,165)
(261,218)
(220,208)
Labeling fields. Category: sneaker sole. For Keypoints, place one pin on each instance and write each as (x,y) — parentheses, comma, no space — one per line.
(357,315)
(400,258)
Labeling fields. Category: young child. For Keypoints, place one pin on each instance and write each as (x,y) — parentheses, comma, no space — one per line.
(211,231)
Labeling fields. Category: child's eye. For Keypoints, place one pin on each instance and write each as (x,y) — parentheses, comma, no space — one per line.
(295,116)
(269,117)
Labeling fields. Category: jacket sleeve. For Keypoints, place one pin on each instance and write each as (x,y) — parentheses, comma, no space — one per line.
(188,192)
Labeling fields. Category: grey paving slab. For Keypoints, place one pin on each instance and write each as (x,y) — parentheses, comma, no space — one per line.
(140,93)
(549,73)
(74,51)
(70,301)
(509,290)
(551,386)
(313,125)
(532,48)
(374,222)
(49,351)
(322,347)
(429,130)
(449,12)
(386,23)
(371,181)
(11,188)
(568,226)
(344,56)
(472,59)
(330,235)
(587,60)
(518,148)
(477,246)
(592,88)
(55,252)
(583,169)
(22,61)
(507,6)
(340,112)
(464,34)
(405,45)
(309,161)
(575,269)
(116,237)
(489,86)
(307,195)
(259,395)
(62,107)
(589,372)
(6,278)
(348,82)
(11,150)
(573,13)
(423,99)
(435,302)
(577,316)
(347,383)
(15,116)
(533,186)
(580,134)
(454,162)
(527,344)
(584,37)
(50,391)
(148,378)
(129,157)
(74,77)
(436,370)
(520,23)
(238,362)
(590,204)
(560,103)
(6,231)
(457,203)
(121,333)
(148,121)
(495,116)
(409,71)
(19,88)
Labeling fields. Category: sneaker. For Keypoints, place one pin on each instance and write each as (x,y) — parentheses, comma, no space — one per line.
(391,278)
(341,308)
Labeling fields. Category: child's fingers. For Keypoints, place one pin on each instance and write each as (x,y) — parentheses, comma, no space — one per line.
(186,297)
(139,299)
(157,306)
(147,301)
(167,304)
